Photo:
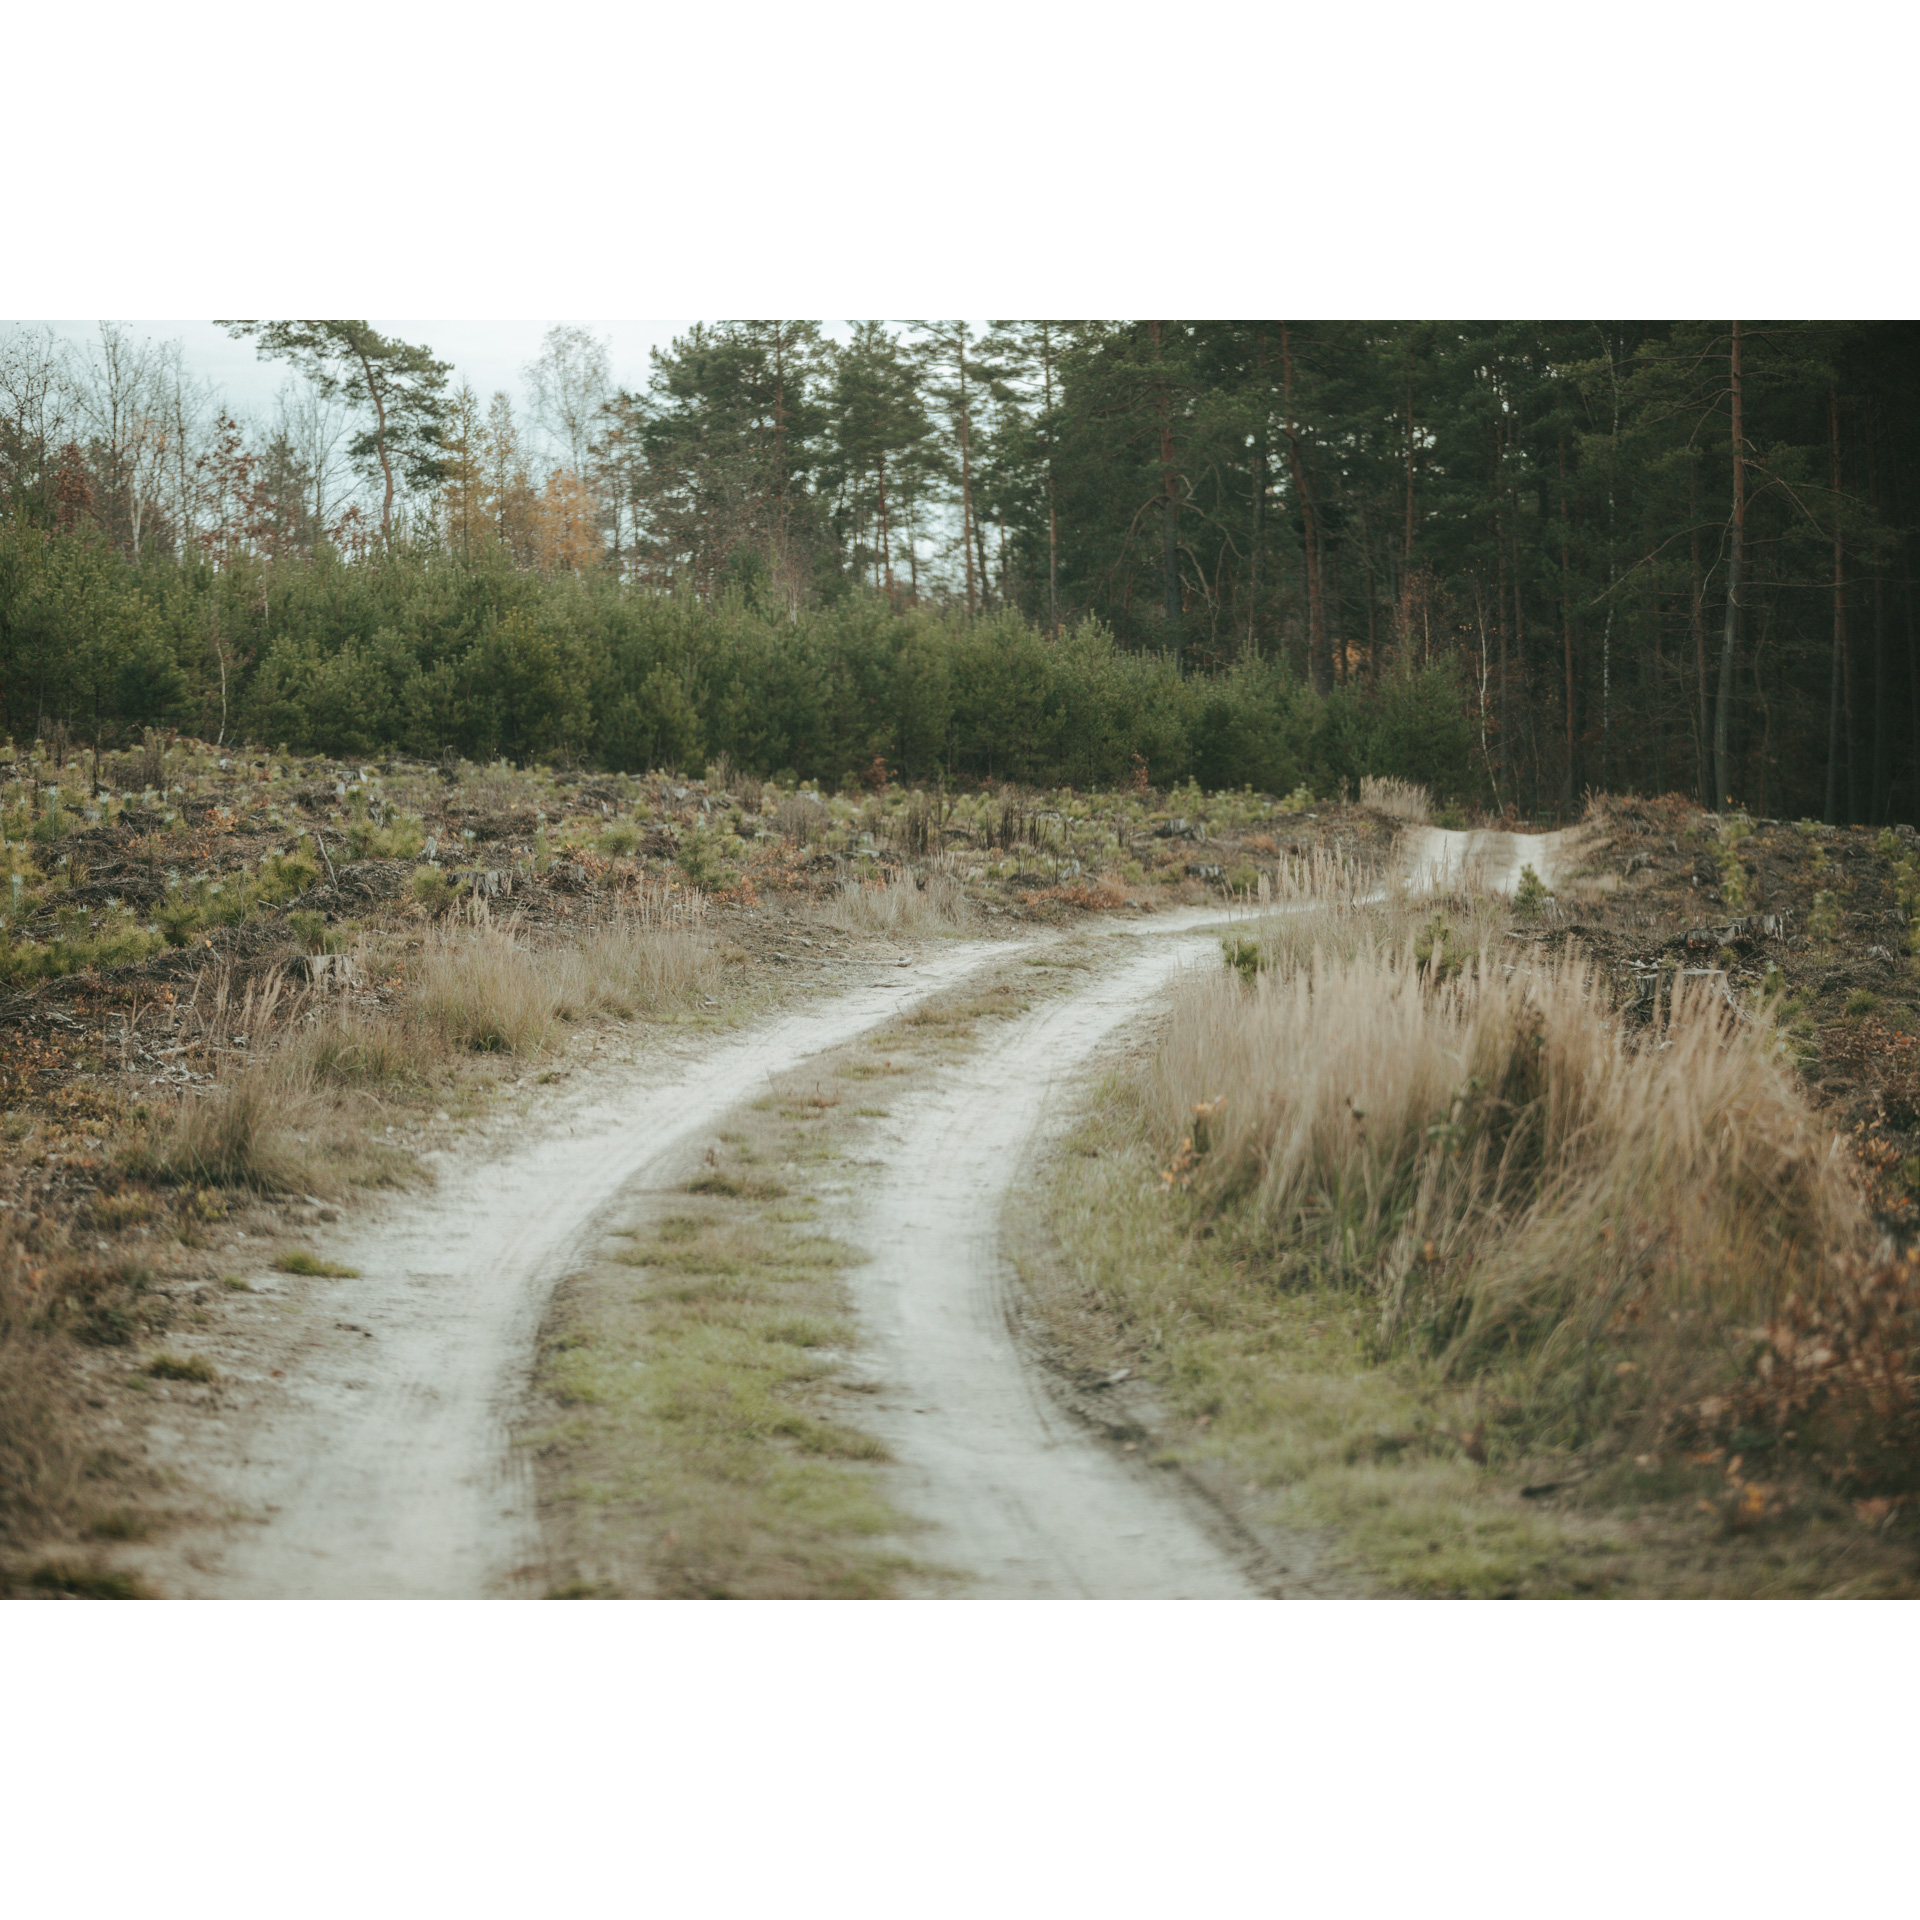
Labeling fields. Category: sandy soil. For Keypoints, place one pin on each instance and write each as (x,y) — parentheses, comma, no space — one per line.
(1438,858)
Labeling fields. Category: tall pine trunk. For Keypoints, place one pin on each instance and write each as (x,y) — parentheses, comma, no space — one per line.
(1053,518)
(1730,638)
(1697,622)
(1520,645)
(1253,555)
(1169,491)
(1882,800)
(379,447)
(1500,599)
(1259,496)
(1319,660)
(966,480)
(1407,558)
(1836,679)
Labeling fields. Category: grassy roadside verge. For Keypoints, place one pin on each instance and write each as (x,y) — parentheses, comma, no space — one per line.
(1439,1265)
(327,1094)
(1279,1402)
(697,1426)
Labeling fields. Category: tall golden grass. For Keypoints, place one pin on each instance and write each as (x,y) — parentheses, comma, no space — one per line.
(901,905)
(1344,905)
(1404,799)
(492,990)
(1501,1164)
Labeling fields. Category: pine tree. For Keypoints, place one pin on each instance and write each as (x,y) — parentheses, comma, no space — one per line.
(400,388)
(878,431)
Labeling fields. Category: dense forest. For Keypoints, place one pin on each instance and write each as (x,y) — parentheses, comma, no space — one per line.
(1515,560)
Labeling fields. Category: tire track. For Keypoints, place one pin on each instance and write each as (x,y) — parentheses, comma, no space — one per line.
(1023,1502)
(384,1468)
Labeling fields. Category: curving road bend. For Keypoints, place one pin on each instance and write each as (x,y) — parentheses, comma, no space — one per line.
(384,1466)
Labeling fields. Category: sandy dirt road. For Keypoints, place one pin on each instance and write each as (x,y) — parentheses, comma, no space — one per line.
(1022,1502)
(383,1466)
(381,1463)
(1437,858)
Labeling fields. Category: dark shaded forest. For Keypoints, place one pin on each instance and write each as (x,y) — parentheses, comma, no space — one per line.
(1515,560)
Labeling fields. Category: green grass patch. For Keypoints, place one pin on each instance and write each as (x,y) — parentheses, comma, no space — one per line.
(85,1583)
(174,1366)
(737,1186)
(294,1260)
(703,1446)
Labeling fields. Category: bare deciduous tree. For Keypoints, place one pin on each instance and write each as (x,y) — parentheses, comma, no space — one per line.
(567,385)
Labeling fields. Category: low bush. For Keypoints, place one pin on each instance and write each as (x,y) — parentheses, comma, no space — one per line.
(434,890)
(399,839)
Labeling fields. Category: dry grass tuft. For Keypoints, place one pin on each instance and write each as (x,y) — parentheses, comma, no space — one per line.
(281,1116)
(180,1366)
(801,818)
(242,1133)
(487,991)
(635,965)
(899,905)
(1404,799)
(1339,906)
(341,1045)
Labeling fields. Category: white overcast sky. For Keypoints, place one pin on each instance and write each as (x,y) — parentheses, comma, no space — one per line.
(492,354)
(489,353)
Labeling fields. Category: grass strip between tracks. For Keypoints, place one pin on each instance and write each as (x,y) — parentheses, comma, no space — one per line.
(699,1388)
